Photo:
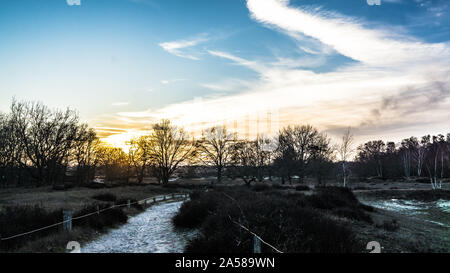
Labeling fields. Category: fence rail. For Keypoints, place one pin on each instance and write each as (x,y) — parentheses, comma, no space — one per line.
(67,217)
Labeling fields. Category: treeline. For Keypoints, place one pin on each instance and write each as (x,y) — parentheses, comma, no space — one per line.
(298,152)
(40,146)
(428,157)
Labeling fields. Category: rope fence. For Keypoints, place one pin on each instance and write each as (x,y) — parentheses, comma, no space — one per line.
(257,240)
(153,199)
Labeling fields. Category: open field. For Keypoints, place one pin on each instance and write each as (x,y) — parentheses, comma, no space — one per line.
(394,230)
(48,202)
(76,198)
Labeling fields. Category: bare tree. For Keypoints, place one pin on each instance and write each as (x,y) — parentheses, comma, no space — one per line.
(140,155)
(406,160)
(372,153)
(214,149)
(245,161)
(47,138)
(296,144)
(345,150)
(435,161)
(85,154)
(11,152)
(285,163)
(264,150)
(113,162)
(420,153)
(322,156)
(410,152)
(169,147)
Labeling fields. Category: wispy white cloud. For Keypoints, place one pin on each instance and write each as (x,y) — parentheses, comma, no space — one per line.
(394,75)
(172,81)
(346,35)
(237,60)
(177,48)
(120,103)
(228,85)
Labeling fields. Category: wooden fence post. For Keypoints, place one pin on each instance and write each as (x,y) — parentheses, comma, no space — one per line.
(154,200)
(67,218)
(98,210)
(129,204)
(256,245)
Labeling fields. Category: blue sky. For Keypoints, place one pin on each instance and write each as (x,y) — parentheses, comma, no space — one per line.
(125,63)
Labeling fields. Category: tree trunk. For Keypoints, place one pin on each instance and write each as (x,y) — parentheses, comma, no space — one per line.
(165,180)
(344,174)
(219,174)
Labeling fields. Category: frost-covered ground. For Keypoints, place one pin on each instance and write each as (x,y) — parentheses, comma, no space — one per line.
(149,232)
(437,212)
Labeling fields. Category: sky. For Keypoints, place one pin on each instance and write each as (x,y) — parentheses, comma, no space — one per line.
(381,67)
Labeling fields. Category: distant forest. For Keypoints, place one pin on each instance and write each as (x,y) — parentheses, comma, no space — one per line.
(40,146)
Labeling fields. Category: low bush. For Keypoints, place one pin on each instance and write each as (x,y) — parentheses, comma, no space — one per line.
(94,185)
(261,187)
(289,222)
(280,187)
(17,220)
(423,180)
(361,188)
(352,213)
(341,202)
(134,204)
(302,188)
(107,197)
(193,213)
(190,186)
(331,197)
(105,219)
(389,225)
(59,187)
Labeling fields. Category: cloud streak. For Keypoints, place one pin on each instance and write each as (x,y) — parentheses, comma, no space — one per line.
(178,48)
(396,81)
(346,35)
(120,103)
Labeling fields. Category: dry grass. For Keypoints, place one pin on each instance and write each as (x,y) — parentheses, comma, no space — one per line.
(75,198)
(410,235)
(57,242)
